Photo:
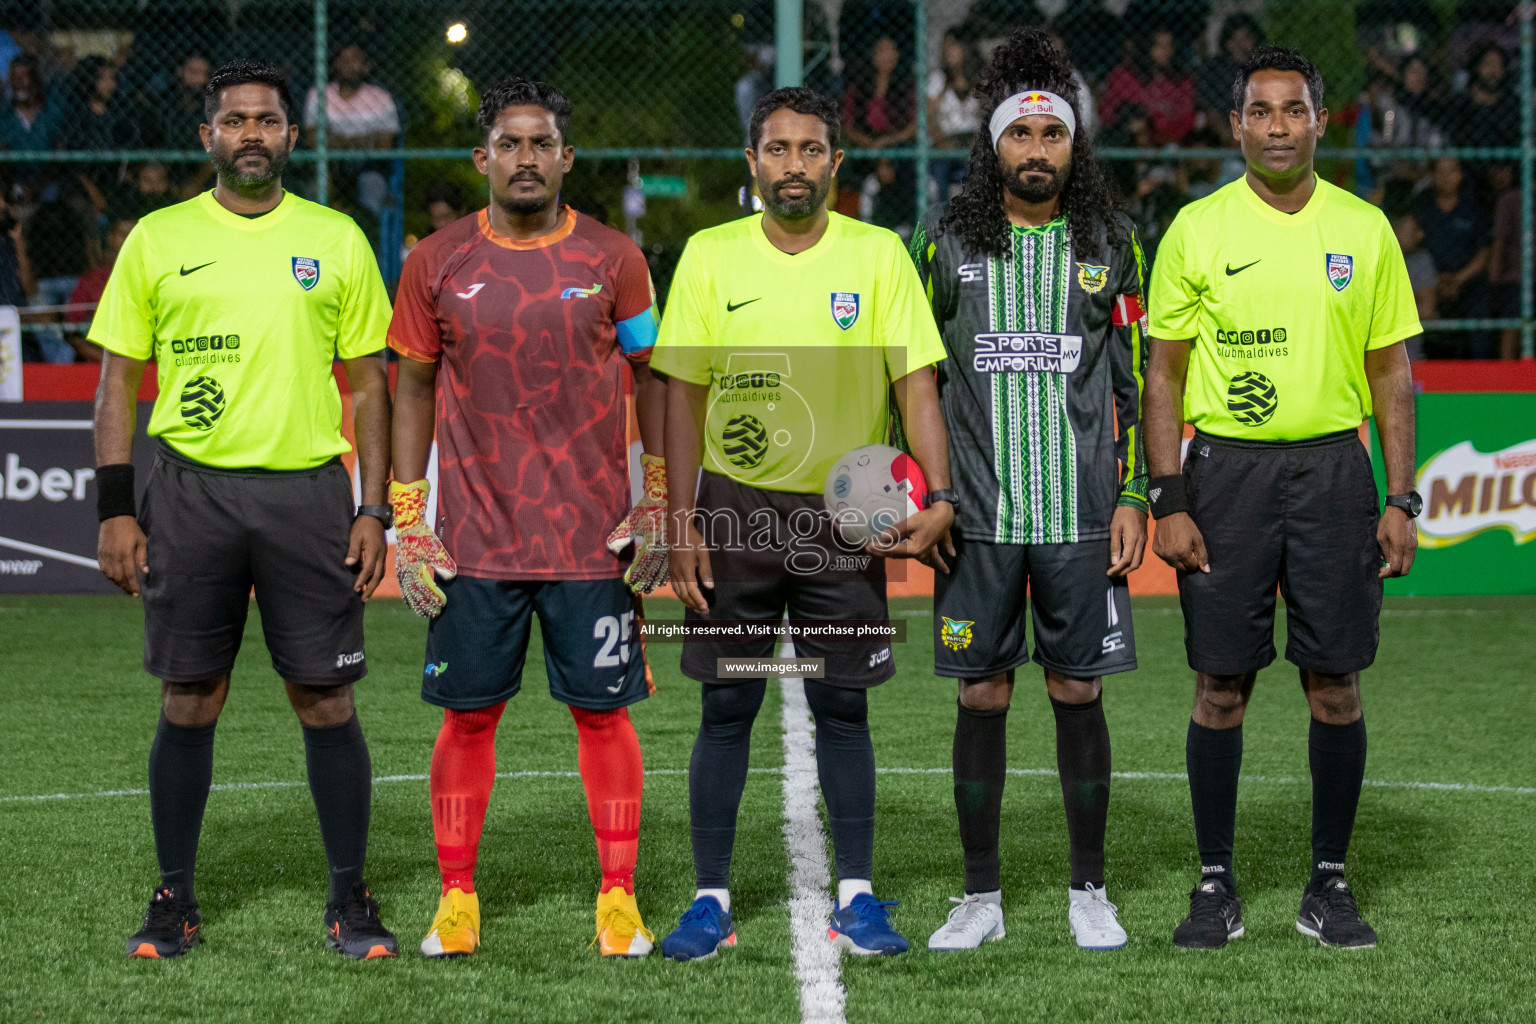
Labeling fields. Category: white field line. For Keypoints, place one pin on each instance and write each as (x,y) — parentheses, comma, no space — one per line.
(1276,780)
(817,962)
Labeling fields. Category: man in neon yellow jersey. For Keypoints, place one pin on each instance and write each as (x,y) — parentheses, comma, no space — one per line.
(1279,307)
(244,296)
(783,338)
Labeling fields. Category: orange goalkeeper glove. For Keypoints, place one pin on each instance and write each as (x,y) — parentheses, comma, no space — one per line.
(645,527)
(419,556)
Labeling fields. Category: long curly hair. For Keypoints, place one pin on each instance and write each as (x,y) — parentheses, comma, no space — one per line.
(1029,60)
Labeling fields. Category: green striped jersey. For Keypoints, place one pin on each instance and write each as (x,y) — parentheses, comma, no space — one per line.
(1047,356)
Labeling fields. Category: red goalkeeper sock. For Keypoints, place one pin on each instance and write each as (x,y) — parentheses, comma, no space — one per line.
(463,770)
(608,753)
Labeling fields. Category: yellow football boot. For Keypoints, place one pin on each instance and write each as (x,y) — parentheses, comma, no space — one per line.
(620,932)
(456,927)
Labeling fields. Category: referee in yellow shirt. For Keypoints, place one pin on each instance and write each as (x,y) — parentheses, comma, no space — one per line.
(1279,308)
(243,297)
(784,336)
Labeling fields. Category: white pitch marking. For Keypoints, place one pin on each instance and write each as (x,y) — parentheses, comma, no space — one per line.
(1274,780)
(818,963)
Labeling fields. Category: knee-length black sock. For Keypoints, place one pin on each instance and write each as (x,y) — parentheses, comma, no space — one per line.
(180,772)
(1082,759)
(980,760)
(341,782)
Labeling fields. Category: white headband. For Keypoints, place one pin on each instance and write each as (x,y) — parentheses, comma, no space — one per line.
(1033,102)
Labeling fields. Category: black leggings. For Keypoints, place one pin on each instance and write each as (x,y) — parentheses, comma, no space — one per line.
(717,774)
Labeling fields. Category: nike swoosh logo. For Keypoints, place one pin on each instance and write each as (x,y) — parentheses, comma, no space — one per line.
(200,266)
(1242,268)
(731,307)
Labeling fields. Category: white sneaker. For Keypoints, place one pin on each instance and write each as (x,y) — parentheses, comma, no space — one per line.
(974,921)
(1092,921)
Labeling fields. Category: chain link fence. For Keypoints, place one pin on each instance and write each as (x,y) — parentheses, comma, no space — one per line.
(1430,105)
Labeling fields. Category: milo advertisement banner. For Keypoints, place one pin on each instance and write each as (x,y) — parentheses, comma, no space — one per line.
(1477,473)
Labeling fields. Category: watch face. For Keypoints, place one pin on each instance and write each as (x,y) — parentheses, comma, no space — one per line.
(1415,504)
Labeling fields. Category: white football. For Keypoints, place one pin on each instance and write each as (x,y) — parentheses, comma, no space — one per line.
(872,489)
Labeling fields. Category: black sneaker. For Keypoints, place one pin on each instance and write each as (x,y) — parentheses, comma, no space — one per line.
(1215,916)
(1329,915)
(170,926)
(353,928)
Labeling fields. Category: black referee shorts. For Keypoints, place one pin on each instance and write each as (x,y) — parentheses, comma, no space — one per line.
(772,552)
(1299,515)
(213,534)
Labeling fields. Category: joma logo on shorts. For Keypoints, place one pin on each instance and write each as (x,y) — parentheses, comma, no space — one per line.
(347,660)
(880,657)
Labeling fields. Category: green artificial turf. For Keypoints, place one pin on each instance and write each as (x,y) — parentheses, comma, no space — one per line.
(1444,875)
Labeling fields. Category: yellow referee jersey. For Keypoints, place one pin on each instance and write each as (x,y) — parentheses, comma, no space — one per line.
(244,317)
(1281,309)
(799,351)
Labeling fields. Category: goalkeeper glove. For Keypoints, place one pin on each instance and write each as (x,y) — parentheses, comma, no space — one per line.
(645,527)
(419,555)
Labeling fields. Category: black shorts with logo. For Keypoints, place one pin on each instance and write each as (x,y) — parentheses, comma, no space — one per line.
(1300,515)
(798,568)
(1082,617)
(476,648)
(213,534)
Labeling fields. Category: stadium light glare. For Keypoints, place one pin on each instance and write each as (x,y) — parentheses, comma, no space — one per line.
(457,33)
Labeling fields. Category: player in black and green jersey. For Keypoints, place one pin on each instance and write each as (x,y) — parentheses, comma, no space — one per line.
(1036,282)
(1280,306)
(244,297)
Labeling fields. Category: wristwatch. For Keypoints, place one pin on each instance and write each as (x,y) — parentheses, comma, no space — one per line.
(1411,503)
(945,494)
(383,513)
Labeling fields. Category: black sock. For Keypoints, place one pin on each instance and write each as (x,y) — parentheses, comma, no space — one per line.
(717,773)
(1082,759)
(1337,757)
(180,772)
(980,761)
(845,766)
(341,782)
(1214,757)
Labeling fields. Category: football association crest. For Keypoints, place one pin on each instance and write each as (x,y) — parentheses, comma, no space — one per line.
(1340,270)
(307,272)
(845,308)
(1092,279)
(956,633)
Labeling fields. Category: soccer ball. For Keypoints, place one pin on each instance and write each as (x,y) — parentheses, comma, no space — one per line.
(872,489)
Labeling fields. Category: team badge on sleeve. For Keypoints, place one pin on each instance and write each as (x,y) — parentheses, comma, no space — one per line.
(845,308)
(1091,278)
(307,272)
(1340,270)
(956,633)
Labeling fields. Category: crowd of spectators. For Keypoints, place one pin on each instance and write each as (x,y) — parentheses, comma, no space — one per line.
(1157,77)
(62,222)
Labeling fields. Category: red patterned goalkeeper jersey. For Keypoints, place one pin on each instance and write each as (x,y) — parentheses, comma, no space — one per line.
(532,337)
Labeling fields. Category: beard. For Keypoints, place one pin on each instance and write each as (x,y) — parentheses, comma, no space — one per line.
(1037,191)
(228,167)
(791,208)
(523,206)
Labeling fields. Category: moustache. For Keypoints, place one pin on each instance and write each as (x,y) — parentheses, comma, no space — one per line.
(261,151)
(786,182)
(532,176)
(1036,166)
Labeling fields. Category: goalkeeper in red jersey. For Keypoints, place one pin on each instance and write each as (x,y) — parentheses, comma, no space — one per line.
(516,324)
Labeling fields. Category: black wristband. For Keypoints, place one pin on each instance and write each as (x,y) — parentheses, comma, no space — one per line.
(1167,495)
(114,491)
